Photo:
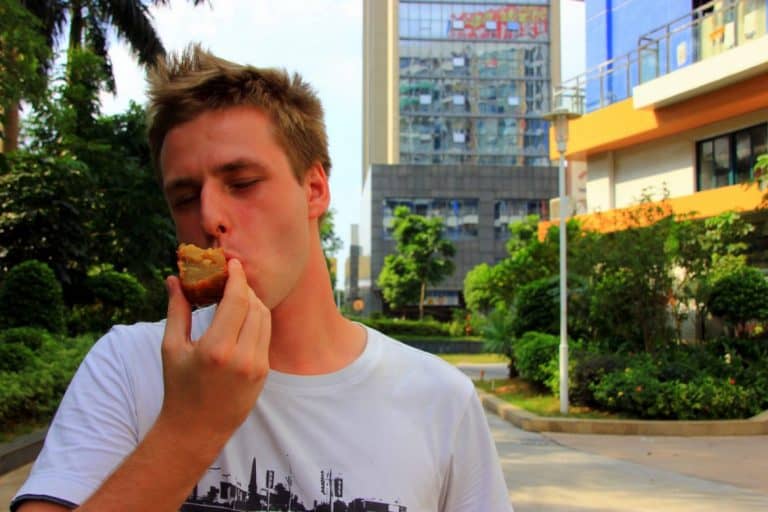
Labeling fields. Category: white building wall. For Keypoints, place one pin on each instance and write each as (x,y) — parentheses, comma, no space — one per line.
(616,179)
(600,182)
(652,167)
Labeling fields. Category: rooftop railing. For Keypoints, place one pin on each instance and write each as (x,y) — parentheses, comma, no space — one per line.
(702,33)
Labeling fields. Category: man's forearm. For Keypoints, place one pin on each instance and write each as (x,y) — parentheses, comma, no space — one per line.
(159,474)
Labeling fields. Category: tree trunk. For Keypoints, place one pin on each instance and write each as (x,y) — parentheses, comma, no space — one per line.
(11,128)
(421,299)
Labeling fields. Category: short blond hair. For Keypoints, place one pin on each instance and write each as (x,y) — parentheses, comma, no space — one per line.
(183,86)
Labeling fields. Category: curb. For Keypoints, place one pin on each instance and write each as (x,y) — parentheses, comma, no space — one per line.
(21,450)
(525,420)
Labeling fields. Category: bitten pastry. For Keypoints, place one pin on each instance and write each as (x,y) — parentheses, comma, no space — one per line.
(203,273)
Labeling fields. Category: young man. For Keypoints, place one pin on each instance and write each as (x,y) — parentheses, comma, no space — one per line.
(271,399)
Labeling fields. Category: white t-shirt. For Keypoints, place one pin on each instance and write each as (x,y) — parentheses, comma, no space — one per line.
(396,430)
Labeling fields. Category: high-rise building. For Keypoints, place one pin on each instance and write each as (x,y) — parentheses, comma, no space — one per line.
(454,95)
(675,101)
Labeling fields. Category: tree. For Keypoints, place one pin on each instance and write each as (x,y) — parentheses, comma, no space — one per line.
(89,22)
(634,272)
(739,296)
(23,53)
(697,247)
(45,201)
(331,243)
(423,258)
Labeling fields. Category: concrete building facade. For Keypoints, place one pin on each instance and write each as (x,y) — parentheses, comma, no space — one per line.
(674,103)
(454,97)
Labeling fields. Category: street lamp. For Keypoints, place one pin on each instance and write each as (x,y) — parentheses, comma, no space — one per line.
(560,118)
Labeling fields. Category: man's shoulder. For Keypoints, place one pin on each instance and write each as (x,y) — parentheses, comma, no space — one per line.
(411,360)
(141,337)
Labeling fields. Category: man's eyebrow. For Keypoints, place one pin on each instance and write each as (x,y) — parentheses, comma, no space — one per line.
(178,184)
(226,168)
(237,165)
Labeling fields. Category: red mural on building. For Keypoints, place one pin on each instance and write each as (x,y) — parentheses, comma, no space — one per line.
(509,22)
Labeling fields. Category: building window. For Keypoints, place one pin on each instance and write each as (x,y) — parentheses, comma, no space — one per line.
(460,215)
(728,159)
(507,211)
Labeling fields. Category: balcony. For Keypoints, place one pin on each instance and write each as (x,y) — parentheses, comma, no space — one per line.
(711,47)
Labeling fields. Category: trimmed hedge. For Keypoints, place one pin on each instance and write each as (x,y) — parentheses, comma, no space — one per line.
(31,295)
(32,393)
(533,353)
(395,327)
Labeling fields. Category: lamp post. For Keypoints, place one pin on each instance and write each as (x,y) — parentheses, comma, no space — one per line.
(560,118)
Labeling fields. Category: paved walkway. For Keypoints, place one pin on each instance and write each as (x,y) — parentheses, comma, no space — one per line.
(544,476)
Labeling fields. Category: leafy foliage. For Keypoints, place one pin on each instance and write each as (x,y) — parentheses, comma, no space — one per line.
(30,295)
(45,212)
(331,243)
(499,336)
(740,296)
(30,337)
(33,392)
(533,353)
(23,52)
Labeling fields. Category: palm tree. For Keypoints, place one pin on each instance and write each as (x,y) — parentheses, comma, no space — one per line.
(89,21)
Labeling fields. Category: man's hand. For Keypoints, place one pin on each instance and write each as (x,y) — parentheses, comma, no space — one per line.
(212,384)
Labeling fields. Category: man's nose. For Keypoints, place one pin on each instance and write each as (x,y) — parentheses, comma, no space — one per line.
(213,212)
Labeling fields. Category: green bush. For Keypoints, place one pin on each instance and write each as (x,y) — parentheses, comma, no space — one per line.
(34,393)
(533,352)
(633,390)
(537,307)
(115,289)
(639,391)
(740,296)
(588,370)
(118,298)
(30,295)
(31,337)
(15,357)
(395,327)
(498,335)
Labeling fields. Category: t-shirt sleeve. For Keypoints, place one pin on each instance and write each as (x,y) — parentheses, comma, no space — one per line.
(475,480)
(94,429)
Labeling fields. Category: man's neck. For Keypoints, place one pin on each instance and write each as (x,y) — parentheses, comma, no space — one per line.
(309,334)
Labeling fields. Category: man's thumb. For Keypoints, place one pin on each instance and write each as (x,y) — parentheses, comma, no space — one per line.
(177,326)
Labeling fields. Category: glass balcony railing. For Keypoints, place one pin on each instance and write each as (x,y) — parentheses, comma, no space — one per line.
(707,31)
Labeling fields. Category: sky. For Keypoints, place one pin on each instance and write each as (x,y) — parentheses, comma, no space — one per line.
(321,40)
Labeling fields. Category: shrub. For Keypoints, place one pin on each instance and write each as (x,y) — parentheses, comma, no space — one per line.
(31,296)
(498,335)
(34,393)
(633,390)
(119,298)
(588,370)
(31,337)
(115,289)
(533,351)
(537,307)
(740,296)
(15,357)
(638,391)
(395,327)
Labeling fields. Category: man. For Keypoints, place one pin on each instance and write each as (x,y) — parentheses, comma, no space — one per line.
(271,399)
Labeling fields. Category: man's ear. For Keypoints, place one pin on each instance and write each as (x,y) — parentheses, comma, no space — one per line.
(317,190)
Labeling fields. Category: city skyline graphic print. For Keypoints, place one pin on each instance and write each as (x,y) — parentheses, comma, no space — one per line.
(272,490)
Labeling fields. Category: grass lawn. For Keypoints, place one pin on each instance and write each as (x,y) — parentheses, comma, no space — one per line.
(540,402)
(474,358)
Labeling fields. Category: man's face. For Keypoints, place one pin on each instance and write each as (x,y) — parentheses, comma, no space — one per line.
(230,185)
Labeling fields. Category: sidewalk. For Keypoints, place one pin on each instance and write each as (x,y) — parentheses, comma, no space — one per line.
(544,476)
